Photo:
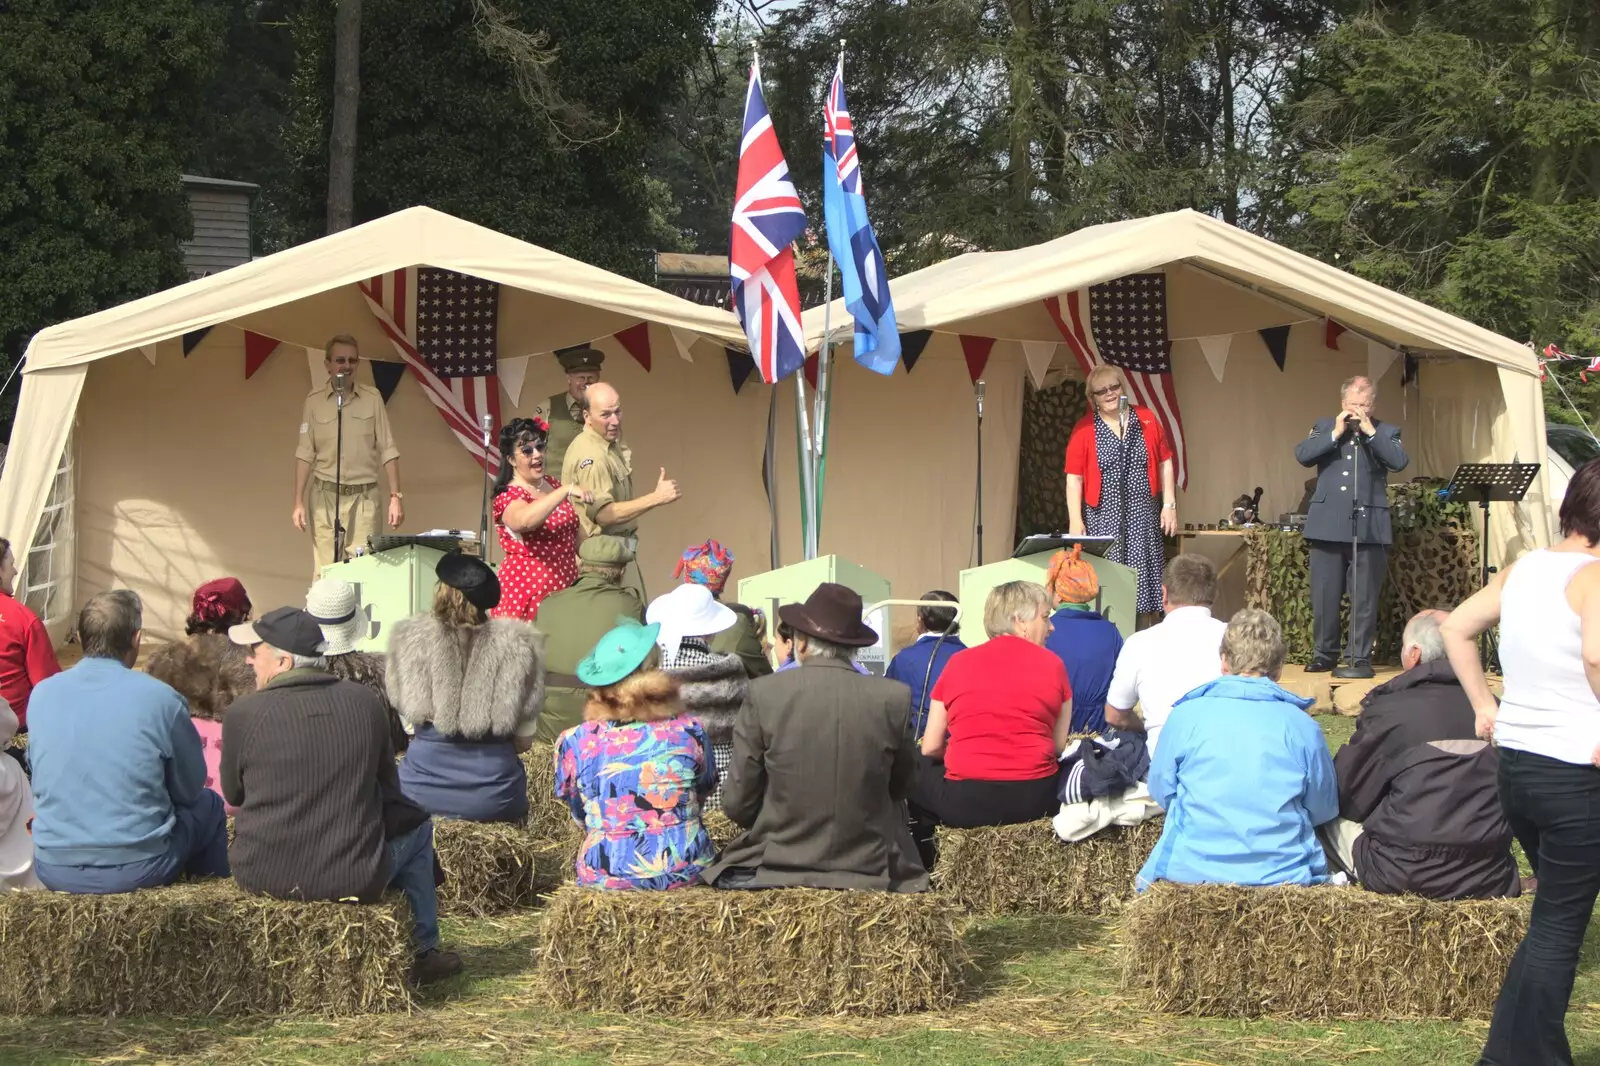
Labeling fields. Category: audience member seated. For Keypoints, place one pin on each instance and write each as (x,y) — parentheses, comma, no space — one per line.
(712,685)
(822,760)
(470,687)
(119,774)
(1081,638)
(710,564)
(998,721)
(574,619)
(16,811)
(26,655)
(1243,773)
(206,668)
(1158,665)
(307,761)
(920,664)
(1419,802)
(336,605)
(636,773)
(784,650)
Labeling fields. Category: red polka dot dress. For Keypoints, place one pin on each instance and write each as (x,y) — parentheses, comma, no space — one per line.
(536,563)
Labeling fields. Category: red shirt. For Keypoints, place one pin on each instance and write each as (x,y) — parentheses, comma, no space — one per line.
(1082,460)
(1002,700)
(538,562)
(26,656)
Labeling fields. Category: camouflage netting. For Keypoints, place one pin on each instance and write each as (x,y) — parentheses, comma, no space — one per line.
(1048,416)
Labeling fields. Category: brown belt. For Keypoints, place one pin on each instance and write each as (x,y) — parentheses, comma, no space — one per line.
(348,489)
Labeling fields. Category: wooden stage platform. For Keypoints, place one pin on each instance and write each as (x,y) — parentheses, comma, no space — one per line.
(1339,696)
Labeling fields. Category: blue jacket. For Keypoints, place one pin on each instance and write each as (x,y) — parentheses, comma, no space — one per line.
(113,751)
(910,666)
(1087,646)
(1245,777)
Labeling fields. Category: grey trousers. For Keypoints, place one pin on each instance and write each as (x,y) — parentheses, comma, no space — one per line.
(1330,577)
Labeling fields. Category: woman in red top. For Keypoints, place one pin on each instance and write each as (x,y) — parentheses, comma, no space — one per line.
(538,527)
(1000,716)
(1118,462)
(26,654)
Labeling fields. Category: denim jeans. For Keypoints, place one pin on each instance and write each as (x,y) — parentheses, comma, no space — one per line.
(1553,807)
(197,847)
(411,871)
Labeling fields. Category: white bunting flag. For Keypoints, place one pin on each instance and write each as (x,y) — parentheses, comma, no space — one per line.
(684,339)
(1215,349)
(149,352)
(512,372)
(1039,354)
(1380,357)
(314,363)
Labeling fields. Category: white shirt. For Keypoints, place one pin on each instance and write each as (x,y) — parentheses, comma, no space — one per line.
(1160,665)
(1548,707)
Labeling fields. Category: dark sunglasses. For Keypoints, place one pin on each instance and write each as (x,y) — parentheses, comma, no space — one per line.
(1107,390)
(530,448)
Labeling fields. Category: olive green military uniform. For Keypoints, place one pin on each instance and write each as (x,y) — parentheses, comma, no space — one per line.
(744,640)
(368,446)
(564,414)
(573,621)
(605,468)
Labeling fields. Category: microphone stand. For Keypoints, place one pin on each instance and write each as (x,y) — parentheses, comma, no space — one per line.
(483,514)
(1355,536)
(979,387)
(339,382)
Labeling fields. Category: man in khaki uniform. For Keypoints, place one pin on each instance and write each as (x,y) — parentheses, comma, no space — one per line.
(368,444)
(573,620)
(582,365)
(598,461)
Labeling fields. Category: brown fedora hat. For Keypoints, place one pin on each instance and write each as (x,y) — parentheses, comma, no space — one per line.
(831,613)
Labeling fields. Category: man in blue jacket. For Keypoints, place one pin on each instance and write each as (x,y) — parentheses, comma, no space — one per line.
(119,774)
(920,663)
(1243,773)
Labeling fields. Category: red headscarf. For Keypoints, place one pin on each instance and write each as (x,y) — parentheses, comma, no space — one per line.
(219,599)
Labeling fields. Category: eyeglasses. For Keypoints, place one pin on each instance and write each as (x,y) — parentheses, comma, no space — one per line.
(1107,390)
(530,449)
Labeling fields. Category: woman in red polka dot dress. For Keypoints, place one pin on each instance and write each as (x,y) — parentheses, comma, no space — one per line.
(538,527)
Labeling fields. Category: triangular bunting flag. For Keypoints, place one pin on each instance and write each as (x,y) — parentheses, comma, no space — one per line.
(976,351)
(386,375)
(511,373)
(1216,349)
(811,369)
(257,346)
(1039,355)
(149,352)
(911,345)
(1380,357)
(1277,341)
(1409,373)
(636,339)
(315,360)
(684,339)
(192,339)
(740,366)
(1331,333)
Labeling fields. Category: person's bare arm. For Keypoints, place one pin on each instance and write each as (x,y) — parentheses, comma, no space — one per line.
(1118,718)
(933,734)
(397,511)
(524,516)
(1063,729)
(1584,595)
(1460,632)
(1169,499)
(302,474)
(1075,504)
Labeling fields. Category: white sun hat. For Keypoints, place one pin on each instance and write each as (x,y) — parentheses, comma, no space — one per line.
(336,605)
(687,611)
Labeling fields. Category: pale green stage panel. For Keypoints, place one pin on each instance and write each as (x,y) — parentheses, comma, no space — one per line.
(391,586)
(793,583)
(1119,590)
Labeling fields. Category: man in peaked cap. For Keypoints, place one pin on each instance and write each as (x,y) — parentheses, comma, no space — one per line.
(582,364)
(573,619)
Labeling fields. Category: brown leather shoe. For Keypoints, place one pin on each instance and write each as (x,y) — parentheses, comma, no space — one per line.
(435,965)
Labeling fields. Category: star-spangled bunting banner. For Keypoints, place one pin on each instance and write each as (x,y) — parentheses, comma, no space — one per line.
(1124,322)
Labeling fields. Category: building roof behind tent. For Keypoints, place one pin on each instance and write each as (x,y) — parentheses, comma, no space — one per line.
(1001,294)
(220,184)
(414,236)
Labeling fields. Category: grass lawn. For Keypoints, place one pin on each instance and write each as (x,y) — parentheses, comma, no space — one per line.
(1046,993)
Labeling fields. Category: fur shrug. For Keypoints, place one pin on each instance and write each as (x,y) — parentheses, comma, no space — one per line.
(483,682)
(713,692)
(207,669)
(647,696)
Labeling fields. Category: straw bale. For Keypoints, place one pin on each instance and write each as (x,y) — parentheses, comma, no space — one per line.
(698,952)
(1027,869)
(1317,953)
(719,827)
(548,818)
(202,948)
(494,867)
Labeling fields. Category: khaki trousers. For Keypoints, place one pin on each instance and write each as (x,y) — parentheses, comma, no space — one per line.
(358,512)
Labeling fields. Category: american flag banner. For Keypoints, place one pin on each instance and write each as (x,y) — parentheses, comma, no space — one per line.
(1124,322)
(767,220)
(443,326)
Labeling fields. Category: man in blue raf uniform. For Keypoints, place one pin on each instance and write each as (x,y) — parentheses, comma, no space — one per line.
(1353,455)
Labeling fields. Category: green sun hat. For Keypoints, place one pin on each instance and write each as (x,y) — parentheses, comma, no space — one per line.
(618,654)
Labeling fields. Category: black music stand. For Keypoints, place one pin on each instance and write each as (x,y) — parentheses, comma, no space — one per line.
(1053,542)
(1486,483)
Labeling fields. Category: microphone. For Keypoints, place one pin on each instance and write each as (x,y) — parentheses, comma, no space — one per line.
(1122,410)
(488,427)
(979,388)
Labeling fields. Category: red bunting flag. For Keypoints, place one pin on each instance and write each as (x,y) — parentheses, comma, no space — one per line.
(257,346)
(812,361)
(1332,331)
(976,352)
(636,339)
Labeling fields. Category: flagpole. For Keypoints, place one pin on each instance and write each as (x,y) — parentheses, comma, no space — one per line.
(824,400)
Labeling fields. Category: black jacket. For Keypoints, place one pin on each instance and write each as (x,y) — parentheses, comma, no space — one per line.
(1424,788)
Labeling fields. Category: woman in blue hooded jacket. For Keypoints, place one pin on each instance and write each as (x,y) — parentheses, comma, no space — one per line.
(1243,773)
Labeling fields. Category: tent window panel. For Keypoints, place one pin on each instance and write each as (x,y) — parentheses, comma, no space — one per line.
(45,572)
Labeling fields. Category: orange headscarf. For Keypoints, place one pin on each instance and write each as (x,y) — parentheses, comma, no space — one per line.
(1071,579)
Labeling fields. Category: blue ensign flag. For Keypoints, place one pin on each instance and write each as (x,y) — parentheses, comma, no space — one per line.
(851,240)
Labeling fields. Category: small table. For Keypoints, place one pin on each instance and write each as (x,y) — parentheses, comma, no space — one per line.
(1237,534)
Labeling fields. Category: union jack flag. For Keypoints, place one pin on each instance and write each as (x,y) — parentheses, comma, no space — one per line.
(767,219)
(444,326)
(1124,322)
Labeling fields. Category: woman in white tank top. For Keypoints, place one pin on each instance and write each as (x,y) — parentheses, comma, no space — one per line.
(1547,726)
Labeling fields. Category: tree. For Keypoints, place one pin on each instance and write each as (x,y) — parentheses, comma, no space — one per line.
(346,102)
(99,102)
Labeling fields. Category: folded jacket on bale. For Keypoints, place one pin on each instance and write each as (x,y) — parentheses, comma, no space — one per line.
(1107,765)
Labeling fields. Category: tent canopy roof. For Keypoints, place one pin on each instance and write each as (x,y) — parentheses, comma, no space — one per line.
(1000,294)
(416,236)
